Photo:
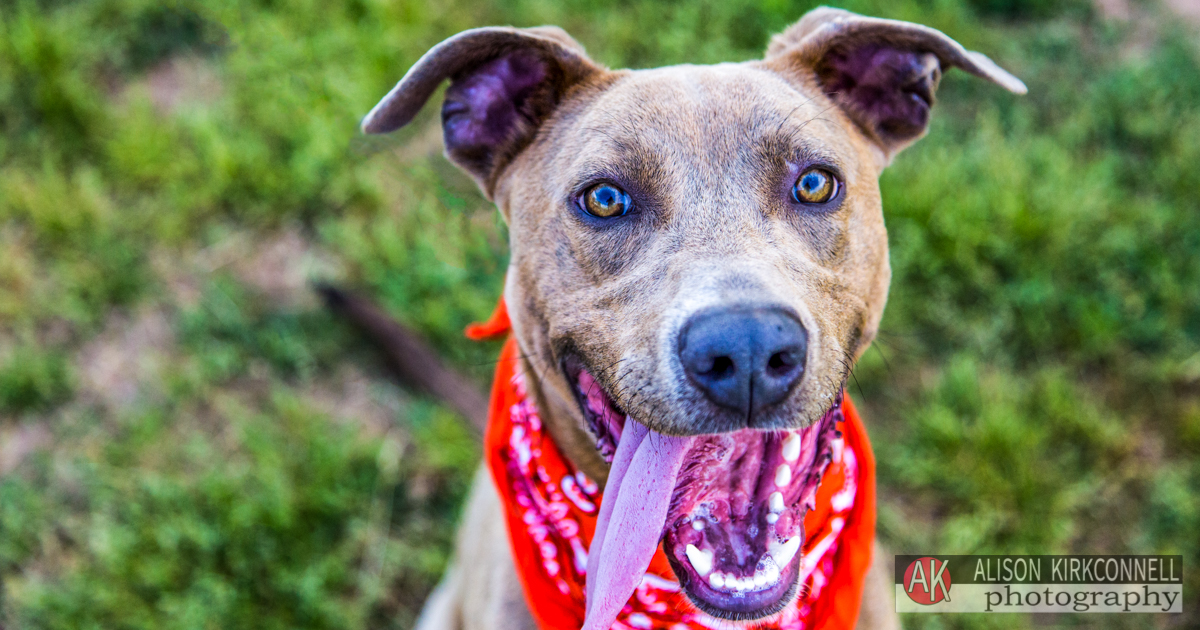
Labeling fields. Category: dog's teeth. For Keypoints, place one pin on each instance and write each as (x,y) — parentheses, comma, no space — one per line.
(783,554)
(791,447)
(772,574)
(776,500)
(772,518)
(766,576)
(698,524)
(783,475)
(702,561)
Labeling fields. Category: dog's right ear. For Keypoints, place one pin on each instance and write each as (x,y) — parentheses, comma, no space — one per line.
(504,83)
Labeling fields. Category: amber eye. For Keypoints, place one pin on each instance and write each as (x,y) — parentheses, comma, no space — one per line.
(816,185)
(606,201)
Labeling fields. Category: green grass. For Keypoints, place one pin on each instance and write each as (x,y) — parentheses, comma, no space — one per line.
(1035,387)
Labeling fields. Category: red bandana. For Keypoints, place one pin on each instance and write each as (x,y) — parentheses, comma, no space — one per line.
(551,511)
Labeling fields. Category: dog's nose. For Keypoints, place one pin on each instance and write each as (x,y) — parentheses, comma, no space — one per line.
(744,359)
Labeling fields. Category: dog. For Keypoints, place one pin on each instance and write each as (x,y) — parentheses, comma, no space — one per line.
(698,257)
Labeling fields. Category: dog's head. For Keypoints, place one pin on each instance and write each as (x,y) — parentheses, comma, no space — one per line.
(699,250)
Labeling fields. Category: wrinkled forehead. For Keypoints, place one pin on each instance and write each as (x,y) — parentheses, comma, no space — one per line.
(721,117)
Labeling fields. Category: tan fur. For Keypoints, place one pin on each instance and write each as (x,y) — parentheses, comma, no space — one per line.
(720,238)
(709,151)
(480,590)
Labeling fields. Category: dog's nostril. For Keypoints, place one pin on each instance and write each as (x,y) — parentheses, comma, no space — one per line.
(781,361)
(721,367)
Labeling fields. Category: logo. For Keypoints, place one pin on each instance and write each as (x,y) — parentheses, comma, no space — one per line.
(1038,584)
(927,581)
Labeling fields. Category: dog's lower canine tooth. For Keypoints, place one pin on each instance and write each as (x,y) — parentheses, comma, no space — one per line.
(702,561)
(791,447)
(783,475)
(783,554)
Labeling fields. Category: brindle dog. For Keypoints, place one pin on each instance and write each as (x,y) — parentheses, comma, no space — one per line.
(705,243)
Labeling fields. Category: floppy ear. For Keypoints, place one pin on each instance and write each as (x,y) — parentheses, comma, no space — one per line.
(504,84)
(882,73)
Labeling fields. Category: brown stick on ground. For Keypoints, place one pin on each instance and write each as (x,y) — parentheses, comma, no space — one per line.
(415,363)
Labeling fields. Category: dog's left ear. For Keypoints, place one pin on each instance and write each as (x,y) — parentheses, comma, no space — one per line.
(504,83)
(882,73)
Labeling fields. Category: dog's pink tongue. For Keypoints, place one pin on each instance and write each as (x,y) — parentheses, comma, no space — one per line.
(631,519)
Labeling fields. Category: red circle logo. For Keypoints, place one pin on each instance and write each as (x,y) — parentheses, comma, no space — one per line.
(927,581)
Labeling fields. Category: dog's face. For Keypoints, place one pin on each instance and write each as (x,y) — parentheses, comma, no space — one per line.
(699,249)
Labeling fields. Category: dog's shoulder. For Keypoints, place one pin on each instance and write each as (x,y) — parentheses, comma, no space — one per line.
(480,590)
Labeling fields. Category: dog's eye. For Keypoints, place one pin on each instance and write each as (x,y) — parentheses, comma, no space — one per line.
(816,185)
(606,201)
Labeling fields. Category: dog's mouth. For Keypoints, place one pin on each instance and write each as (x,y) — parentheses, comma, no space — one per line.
(734,525)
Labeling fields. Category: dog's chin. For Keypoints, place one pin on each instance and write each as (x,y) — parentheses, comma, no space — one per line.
(735,525)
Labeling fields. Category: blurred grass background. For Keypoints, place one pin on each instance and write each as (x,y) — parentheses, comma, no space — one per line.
(187,440)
